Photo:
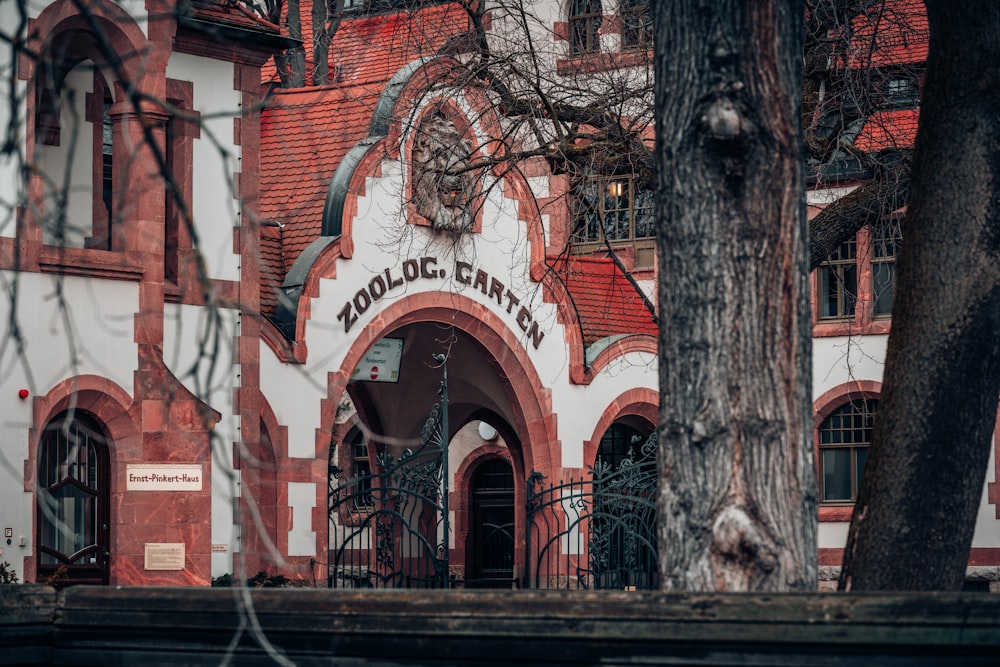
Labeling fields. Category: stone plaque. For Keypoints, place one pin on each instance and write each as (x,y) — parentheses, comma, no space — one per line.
(163,477)
(165,556)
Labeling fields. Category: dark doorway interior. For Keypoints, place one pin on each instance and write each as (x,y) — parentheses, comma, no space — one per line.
(493,526)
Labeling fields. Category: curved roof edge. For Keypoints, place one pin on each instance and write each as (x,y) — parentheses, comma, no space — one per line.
(286,314)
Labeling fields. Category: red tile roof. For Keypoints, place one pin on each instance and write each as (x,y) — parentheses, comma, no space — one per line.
(304,136)
(306,133)
(606,302)
(231,12)
(368,49)
(893,33)
(888,129)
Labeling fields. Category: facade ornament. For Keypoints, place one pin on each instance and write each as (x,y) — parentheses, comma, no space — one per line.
(443,184)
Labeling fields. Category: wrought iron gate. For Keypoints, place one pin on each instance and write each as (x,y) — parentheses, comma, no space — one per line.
(595,533)
(389,529)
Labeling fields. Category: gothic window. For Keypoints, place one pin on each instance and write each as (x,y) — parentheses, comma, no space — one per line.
(585,18)
(844,438)
(73,501)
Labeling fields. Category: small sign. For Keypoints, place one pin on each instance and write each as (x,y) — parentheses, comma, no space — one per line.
(165,556)
(220,548)
(8,532)
(157,477)
(381,362)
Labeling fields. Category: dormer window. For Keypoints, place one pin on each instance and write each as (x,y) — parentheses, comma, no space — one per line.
(585,17)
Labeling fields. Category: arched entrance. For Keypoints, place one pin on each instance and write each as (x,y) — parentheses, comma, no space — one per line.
(73,501)
(489,376)
(492,537)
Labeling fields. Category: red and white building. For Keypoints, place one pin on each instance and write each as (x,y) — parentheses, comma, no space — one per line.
(202,354)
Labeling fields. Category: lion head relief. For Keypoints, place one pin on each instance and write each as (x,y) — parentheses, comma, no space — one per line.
(443,184)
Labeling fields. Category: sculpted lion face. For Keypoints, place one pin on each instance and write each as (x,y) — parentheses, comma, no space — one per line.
(443,187)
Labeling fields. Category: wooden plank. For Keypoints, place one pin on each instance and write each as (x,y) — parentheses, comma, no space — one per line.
(199,626)
(27,612)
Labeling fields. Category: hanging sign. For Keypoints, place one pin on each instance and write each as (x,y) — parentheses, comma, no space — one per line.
(381,362)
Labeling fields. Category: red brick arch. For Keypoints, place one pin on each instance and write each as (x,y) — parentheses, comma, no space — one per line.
(114,410)
(641,402)
(532,404)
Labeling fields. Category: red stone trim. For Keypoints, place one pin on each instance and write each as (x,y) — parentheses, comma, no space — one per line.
(641,403)
(535,421)
(602,62)
(978,556)
(90,262)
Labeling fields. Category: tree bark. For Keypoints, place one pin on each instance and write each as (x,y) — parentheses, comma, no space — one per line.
(737,489)
(917,504)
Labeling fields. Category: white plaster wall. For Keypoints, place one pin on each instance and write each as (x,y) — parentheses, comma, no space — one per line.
(88,330)
(580,407)
(199,350)
(841,359)
(987,533)
(10,169)
(75,149)
(215,159)
(301,536)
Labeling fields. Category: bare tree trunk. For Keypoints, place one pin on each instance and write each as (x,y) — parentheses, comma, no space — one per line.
(923,480)
(738,489)
(292,64)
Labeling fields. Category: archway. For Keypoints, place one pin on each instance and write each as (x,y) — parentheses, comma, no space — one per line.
(490,376)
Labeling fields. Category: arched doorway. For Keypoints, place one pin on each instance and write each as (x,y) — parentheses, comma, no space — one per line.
(492,535)
(623,526)
(73,501)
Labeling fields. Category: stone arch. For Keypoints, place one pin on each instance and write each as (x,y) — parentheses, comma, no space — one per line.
(112,408)
(531,401)
(639,405)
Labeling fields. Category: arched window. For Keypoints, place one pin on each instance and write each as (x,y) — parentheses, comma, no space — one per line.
(585,18)
(73,501)
(844,438)
(623,549)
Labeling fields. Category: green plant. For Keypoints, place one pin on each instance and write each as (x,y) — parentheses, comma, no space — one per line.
(7,574)
(260,580)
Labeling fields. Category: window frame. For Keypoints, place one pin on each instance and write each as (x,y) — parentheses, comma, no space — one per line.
(642,27)
(590,225)
(863,406)
(865,319)
(585,19)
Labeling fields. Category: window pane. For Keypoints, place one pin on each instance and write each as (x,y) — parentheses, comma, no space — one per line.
(837,474)
(860,456)
(885,246)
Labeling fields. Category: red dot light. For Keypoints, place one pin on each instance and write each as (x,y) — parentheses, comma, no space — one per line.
(22,394)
